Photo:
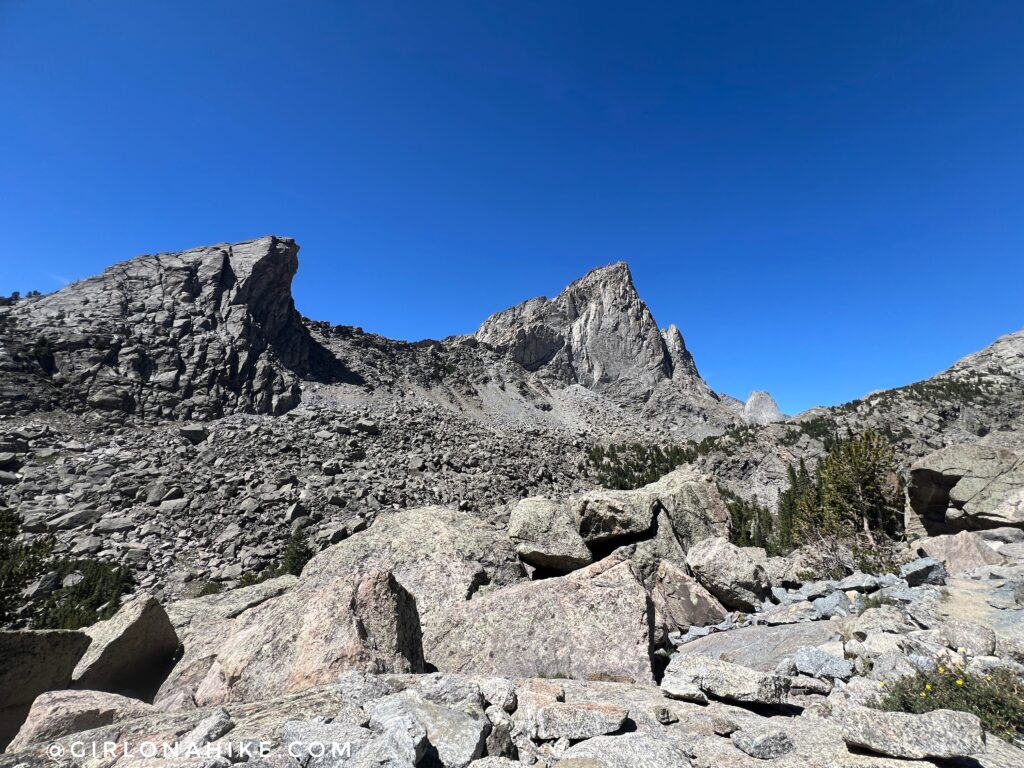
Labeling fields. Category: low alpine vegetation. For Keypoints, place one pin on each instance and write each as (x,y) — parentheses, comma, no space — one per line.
(633,465)
(84,590)
(997,698)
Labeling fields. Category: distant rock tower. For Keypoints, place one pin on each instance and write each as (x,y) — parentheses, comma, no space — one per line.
(761,408)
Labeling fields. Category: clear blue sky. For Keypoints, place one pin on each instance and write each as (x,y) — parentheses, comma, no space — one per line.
(827,198)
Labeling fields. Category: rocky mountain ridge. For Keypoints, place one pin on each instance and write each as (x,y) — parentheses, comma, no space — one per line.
(473,598)
(213,331)
(98,377)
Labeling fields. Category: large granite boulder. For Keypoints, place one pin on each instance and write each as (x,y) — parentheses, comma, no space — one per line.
(660,521)
(357,620)
(680,602)
(59,713)
(730,573)
(545,534)
(440,556)
(596,622)
(30,664)
(687,673)
(605,516)
(968,487)
(960,552)
(457,736)
(764,647)
(130,652)
(939,734)
(692,504)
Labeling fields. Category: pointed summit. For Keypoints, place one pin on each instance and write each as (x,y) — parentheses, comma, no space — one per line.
(597,332)
(683,365)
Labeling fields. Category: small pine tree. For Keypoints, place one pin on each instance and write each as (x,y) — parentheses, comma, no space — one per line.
(20,563)
(861,491)
(95,597)
(296,555)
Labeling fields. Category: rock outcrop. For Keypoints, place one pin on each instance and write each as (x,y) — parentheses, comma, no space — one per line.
(597,333)
(32,663)
(968,487)
(761,408)
(730,573)
(196,334)
(308,636)
(139,636)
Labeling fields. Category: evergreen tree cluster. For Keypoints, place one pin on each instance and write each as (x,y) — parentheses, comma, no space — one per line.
(854,492)
(751,524)
(94,595)
(20,564)
(296,554)
(633,465)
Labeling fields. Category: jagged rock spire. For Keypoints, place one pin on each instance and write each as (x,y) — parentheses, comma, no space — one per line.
(597,332)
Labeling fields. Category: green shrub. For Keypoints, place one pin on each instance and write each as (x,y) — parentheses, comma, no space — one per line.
(996,698)
(20,563)
(208,588)
(96,597)
(296,554)
(626,466)
(876,601)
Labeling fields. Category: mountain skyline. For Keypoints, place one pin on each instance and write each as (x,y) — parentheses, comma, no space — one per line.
(620,274)
(824,199)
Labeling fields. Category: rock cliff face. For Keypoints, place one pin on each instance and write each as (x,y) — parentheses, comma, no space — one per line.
(761,408)
(196,334)
(597,333)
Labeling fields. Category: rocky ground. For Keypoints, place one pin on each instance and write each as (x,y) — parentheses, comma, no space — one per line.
(424,641)
(476,599)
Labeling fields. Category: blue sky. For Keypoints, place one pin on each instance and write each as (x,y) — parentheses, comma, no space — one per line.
(825,197)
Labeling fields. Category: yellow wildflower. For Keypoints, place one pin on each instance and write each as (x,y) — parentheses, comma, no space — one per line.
(959,681)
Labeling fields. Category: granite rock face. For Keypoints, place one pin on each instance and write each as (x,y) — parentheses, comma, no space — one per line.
(761,408)
(138,637)
(730,573)
(307,636)
(968,487)
(197,334)
(592,623)
(597,333)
